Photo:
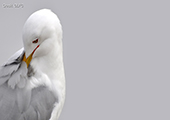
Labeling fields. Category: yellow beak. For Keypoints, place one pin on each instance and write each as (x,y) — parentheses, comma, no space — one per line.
(29,58)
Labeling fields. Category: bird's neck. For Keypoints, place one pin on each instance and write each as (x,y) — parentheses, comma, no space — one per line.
(51,69)
(50,64)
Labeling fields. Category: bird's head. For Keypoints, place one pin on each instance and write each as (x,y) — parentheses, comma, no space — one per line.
(41,33)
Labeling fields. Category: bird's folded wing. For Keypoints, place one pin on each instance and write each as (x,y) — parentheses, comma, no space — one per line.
(17,102)
(14,70)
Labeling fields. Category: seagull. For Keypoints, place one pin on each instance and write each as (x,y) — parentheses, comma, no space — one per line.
(32,81)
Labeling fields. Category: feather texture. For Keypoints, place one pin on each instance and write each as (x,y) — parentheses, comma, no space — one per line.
(32,81)
(16,99)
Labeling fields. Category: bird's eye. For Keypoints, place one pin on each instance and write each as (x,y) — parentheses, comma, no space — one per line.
(35,41)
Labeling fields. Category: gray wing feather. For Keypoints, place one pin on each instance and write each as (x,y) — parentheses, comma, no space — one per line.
(14,103)
(4,79)
(23,99)
(42,103)
(17,102)
(12,64)
(7,104)
(16,77)
(9,69)
(17,57)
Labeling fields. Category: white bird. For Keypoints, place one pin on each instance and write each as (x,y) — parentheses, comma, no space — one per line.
(32,81)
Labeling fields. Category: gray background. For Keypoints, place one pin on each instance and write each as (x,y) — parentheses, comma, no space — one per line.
(116,55)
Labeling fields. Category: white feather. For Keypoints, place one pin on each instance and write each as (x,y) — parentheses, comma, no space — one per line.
(46,63)
(48,58)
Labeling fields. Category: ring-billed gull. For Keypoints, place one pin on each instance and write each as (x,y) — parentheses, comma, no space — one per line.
(32,81)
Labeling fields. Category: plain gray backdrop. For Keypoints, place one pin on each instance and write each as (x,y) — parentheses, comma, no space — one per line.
(116,55)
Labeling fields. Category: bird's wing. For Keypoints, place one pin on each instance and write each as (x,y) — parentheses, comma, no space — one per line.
(13,69)
(18,102)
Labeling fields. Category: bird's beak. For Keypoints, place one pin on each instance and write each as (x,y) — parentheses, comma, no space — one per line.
(29,58)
